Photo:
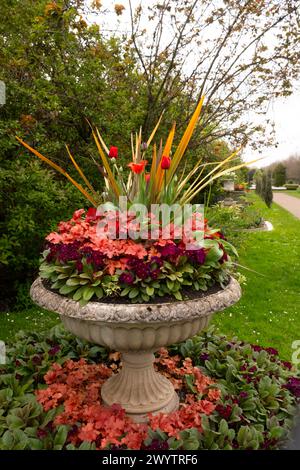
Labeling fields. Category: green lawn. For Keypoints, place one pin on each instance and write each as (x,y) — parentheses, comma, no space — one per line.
(32,319)
(269,311)
(290,193)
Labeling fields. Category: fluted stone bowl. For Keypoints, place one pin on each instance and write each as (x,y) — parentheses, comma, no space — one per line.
(137,330)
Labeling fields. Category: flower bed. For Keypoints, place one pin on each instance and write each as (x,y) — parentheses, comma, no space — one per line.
(83,264)
(233,396)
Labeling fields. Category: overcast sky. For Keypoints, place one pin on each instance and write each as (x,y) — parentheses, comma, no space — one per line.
(284,111)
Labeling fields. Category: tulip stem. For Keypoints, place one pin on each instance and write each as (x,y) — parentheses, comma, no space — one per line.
(165,186)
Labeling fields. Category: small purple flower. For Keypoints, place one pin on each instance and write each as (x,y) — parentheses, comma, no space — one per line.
(126,278)
(253,369)
(256,348)
(243,395)
(293,385)
(54,350)
(269,443)
(287,365)
(196,256)
(155,273)
(156,261)
(156,444)
(204,357)
(224,411)
(144,146)
(79,266)
(272,351)
(170,250)
(68,252)
(41,433)
(36,360)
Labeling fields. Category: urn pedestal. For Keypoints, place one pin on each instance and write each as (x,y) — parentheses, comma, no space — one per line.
(137,331)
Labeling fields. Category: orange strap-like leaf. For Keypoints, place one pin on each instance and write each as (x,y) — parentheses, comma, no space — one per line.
(59,169)
(80,172)
(110,175)
(185,140)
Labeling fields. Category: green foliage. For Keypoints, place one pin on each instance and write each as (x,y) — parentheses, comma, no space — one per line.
(81,286)
(263,181)
(31,203)
(279,174)
(291,186)
(234,218)
(255,409)
(267,188)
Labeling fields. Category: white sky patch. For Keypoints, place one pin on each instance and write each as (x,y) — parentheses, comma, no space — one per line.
(285,112)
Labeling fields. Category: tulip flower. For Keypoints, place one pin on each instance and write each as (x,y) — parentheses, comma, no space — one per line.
(165,162)
(138,168)
(113,152)
(147,177)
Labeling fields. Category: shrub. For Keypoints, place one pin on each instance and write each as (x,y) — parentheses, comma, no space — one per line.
(292,186)
(279,175)
(234,218)
(31,203)
(263,181)
(267,193)
(237,396)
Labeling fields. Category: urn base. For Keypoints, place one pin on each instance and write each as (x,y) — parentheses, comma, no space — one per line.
(139,389)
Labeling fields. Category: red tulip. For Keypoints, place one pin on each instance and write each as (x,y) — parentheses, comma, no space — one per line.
(138,168)
(113,152)
(165,162)
(91,214)
(147,177)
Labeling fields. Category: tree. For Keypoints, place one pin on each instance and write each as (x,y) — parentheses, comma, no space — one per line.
(258,182)
(263,181)
(267,188)
(239,53)
(58,71)
(293,168)
(279,175)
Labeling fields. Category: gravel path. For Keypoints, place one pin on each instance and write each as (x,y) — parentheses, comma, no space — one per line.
(290,203)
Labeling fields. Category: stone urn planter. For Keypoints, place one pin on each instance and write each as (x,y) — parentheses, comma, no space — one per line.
(137,331)
(228,185)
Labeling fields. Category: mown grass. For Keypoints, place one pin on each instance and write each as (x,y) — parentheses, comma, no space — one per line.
(295,193)
(269,310)
(31,319)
